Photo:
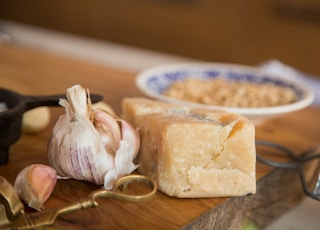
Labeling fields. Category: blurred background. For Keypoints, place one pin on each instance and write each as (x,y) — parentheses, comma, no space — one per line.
(245,32)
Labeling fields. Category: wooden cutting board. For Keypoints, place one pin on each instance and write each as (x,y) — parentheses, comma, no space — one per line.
(33,72)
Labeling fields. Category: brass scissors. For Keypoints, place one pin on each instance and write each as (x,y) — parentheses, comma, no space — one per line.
(12,216)
(297,162)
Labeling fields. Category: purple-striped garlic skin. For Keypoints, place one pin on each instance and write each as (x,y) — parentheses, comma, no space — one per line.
(90,143)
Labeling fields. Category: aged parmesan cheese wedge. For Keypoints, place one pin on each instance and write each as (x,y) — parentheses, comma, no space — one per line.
(193,152)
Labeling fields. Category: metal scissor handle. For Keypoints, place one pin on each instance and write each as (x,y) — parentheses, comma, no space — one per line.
(48,217)
(296,162)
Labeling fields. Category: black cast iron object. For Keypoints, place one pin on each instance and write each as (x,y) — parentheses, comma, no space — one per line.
(11,119)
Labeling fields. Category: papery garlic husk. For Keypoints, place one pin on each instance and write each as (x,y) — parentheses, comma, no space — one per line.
(34,184)
(88,144)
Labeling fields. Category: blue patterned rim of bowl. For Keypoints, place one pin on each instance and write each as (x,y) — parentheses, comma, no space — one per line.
(155,80)
(161,81)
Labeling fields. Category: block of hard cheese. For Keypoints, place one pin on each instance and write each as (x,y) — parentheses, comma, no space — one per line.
(193,152)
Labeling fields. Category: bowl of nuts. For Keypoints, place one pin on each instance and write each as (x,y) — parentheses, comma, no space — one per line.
(240,89)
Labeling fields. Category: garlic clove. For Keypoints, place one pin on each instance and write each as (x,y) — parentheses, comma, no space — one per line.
(36,120)
(123,165)
(127,151)
(109,130)
(34,184)
(103,106)
(131,136)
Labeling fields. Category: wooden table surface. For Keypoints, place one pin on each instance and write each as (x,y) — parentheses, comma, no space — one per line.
(33,72)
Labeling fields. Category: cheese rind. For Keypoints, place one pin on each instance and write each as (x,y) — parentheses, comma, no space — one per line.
(193,152)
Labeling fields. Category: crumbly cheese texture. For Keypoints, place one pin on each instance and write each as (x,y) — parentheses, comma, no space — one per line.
(194,152)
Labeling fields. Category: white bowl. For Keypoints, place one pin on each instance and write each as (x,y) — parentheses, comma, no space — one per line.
(152,82)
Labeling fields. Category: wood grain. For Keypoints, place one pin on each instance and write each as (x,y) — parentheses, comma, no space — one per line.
(35,72)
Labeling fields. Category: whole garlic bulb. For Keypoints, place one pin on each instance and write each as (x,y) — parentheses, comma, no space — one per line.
(91,144)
